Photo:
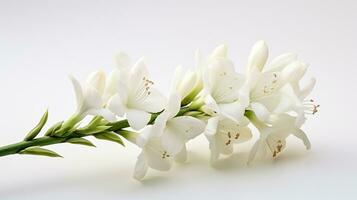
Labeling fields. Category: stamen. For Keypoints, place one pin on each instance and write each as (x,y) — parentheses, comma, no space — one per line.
(165,155)
(310,106)
(278,149)
(228,142)
(144,89)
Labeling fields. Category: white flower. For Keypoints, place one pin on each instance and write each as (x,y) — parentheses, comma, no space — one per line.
(153,154)
(190,83)
(295,97)
(273,135)
(136,98)
(90,96)
(263,86)
(222,134)
(166,139)
(176,131)
(186,83)
(222,86)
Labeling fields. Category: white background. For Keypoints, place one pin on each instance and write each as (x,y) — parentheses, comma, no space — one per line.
(41,42)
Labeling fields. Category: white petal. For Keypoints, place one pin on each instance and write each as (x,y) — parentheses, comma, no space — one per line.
(212,125)
(300,72)
(302,136)
(258,56)
(145,135)
(105,113)
(173,104)
(187,83)
(219,52)
(111,86)
(244,95)
(300,118)
(210,106)
(285,104)
(270,102)
(78,90)
(307,89)
(116,105)
(92,98)
(182,155)
(238,132)
(178,75)
(97,80)
(260,111)
(213,145)
(188,126)
(137,118)
(221,80)
(141,167)
(228,88)
(173,140)
(222,147)
(160,123)
(154,157)
(122,60)
(278,63)
(153,102)
(258,150)
(233,111)
(138,72)
(268,84)
(245,134)
(290,72)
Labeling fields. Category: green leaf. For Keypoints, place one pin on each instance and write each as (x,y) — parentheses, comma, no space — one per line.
(93,130)
(35,131)
(65,133)
(39,152)
(193,113)
(81,141)
(68,126)
(54,128)
(110,136)
(96,121)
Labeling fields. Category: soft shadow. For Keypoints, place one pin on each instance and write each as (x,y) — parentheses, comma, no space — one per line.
(154,180)
(238,161)
(110,176)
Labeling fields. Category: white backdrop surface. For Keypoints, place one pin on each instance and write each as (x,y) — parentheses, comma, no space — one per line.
(41,42)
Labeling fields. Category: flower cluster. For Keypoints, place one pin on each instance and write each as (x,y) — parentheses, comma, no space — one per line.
(212,99)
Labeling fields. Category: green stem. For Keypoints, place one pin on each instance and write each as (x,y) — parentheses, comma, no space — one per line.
(17,147)
(48,140)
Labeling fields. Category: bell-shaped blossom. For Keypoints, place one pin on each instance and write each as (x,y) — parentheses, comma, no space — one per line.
(263,86)
(222,134)
(136,99)
(295,97)
(186,84)
(153,153)
(176,131)
(189,83)
(89,97)
(274,133)
(166,139)
(222,88)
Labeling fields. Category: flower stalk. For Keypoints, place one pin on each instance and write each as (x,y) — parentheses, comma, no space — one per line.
(116,127)
(213,99)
